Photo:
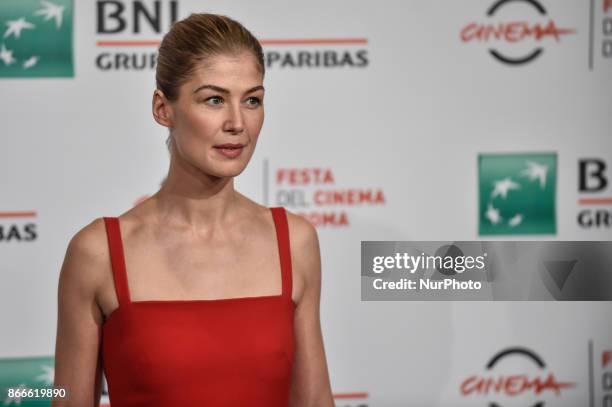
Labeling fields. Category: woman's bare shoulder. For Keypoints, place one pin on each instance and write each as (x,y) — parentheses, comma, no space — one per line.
(86,260)
(90,242)
(301,231)
(305,251)
(255,212)
(303,237)
(248,204)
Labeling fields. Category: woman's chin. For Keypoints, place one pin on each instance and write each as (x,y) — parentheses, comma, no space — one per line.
(227,170)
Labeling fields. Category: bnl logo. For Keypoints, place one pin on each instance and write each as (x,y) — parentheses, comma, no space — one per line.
(594,175)
(114,17)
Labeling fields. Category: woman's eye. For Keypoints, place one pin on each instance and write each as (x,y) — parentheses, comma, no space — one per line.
(253,100)
(214,100)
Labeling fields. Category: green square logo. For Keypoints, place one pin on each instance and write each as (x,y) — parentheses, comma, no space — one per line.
(23,374)
(36,38)
(517,194)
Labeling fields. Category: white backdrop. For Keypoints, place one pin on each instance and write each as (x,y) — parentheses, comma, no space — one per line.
(408,125)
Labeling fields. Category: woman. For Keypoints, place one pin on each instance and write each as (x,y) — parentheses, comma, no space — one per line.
(197,296)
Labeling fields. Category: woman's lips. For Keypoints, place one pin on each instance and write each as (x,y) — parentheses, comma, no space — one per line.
(230,150)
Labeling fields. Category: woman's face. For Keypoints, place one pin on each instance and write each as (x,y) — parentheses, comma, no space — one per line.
(218,115)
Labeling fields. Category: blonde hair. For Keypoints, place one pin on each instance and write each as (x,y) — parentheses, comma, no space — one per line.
(193,40)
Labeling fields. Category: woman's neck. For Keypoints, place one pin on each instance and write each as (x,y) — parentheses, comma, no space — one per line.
(191,198)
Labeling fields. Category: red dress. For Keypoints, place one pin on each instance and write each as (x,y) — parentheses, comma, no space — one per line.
(220,352)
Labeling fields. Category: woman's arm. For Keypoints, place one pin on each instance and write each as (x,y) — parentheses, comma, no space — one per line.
(78,366)
(311,386)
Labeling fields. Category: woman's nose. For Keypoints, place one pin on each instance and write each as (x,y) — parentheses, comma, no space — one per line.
(234,122)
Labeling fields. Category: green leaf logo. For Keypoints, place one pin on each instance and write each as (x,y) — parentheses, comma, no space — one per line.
(517,194)
(36,39)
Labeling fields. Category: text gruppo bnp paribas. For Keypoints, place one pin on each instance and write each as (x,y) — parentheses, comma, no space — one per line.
(406,263)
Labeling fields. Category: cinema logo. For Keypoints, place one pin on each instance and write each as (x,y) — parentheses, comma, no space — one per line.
(502,384)
(515,42)
(314,194)
(17,226)
(594,193)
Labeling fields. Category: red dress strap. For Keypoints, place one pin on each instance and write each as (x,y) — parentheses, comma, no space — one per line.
(113,232)
(284,249)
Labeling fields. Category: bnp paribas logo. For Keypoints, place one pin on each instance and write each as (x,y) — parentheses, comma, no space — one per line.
(517,193)
(36,38)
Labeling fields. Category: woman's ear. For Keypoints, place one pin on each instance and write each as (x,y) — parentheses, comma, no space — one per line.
(162,111)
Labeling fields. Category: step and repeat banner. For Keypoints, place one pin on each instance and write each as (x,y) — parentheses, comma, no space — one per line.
(448,121)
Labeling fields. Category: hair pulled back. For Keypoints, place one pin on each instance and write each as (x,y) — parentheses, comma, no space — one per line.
(196,39)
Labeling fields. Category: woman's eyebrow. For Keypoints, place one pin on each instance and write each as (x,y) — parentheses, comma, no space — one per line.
(255,88)
(212,87)
(223,90)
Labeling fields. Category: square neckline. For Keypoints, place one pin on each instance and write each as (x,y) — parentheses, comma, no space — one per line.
(194,301)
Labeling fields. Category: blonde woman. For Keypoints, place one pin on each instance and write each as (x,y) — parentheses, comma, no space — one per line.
(197,296)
